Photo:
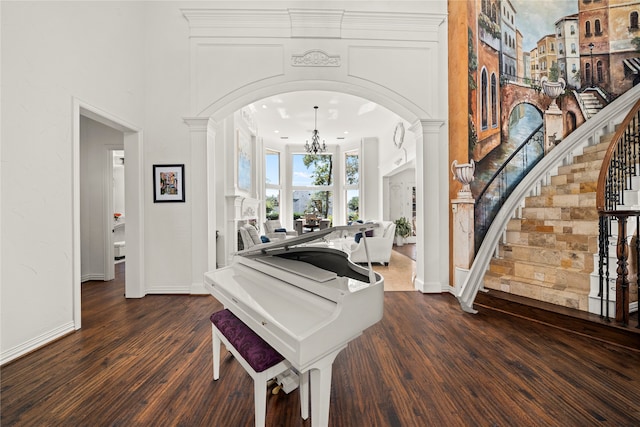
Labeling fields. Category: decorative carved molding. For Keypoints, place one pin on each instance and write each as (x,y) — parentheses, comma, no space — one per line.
(315,58)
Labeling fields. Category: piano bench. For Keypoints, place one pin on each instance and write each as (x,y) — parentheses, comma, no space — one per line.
(261,361)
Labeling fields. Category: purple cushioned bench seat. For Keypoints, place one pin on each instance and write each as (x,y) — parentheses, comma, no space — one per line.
(258,354)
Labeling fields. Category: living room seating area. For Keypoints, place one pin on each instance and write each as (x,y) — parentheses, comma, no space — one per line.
(379,243)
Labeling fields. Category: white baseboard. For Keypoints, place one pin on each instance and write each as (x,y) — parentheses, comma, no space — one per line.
(35,343)
(90,277)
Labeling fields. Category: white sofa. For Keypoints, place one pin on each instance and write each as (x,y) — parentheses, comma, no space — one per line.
(379,245)
(270,227)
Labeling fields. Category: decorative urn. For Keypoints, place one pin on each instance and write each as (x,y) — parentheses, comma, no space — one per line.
(463,173)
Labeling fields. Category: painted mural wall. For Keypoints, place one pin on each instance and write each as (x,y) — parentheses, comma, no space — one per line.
(514,51)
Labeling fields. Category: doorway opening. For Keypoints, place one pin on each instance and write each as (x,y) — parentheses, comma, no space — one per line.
(129,139)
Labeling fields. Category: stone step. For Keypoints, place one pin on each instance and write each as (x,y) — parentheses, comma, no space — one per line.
(551,239)
(552,257)
(571,188)
(561,200)
(531,288)
(590,156)
(578,227)
(549,277)
(580,167)
(561,213)
(584,176)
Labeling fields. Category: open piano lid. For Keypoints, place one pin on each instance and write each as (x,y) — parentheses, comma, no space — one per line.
(285,244)
(308,237)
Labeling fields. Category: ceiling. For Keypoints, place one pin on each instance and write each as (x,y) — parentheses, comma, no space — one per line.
(289,117)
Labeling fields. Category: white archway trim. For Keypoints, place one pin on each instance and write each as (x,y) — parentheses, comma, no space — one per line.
(134,189)
(245,95)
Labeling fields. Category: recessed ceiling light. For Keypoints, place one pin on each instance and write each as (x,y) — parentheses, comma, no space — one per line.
(276,131)
(264,106)
(346,132)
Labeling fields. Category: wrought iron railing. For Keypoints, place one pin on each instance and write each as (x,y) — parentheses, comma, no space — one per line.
(616,181)
(504,180)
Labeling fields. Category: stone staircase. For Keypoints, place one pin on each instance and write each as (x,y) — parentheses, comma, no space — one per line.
(591,103)
(548,253)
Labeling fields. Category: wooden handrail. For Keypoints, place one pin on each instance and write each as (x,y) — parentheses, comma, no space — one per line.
(606,162)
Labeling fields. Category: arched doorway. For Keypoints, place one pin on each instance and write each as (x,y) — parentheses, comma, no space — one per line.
(207,139)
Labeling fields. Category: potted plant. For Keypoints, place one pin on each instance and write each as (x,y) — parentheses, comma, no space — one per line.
(403,230)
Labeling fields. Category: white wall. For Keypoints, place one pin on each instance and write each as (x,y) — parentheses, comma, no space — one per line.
(134,60)
(52,52)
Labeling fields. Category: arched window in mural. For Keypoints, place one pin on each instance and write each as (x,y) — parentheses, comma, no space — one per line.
(598,28)
(494,101)
(587,73)
(484,99)
(573,30)
(633,21)
(485,7)
(599,75)
(494,13)
(587,28)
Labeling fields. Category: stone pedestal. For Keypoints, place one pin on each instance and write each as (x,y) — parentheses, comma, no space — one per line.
(553,123)
(463,238)
(463,223)
(553,127)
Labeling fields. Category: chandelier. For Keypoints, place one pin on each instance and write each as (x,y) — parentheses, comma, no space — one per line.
(315,146)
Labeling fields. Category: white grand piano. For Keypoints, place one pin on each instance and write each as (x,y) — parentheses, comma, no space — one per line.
(305,298)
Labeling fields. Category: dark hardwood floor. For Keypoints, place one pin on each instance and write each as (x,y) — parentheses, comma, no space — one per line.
(147,362)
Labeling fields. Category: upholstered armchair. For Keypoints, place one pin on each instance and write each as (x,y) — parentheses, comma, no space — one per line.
(379,243)
(274,230)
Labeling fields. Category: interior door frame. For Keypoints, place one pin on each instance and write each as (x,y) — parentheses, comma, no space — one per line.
(134,200)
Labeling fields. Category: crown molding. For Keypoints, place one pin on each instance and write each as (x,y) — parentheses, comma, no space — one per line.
(313,23)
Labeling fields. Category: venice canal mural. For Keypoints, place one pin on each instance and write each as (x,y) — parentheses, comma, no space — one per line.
(592,46)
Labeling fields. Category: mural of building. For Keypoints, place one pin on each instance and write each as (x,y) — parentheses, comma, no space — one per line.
(533,61)
(521,71)
(594,43)
(547,55)
(509,43)
(568,56)
(489,36)
(624,57)
(608,57)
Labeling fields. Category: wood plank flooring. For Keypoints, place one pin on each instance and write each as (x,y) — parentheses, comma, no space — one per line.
(147,362)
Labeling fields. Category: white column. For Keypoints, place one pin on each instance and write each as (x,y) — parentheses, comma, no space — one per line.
(432,206)
(196,194)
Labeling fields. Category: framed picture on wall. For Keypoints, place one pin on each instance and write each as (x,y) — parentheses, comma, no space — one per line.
(168,183)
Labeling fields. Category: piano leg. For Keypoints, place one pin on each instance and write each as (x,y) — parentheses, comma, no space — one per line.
(304,395)
(321,389)
(216,354)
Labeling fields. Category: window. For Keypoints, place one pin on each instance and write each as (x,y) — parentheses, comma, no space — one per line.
(633,21)
(352,185)
(573,30)
(272,184)
(484,111)
(561,48)
(573,48)
(587,29)
(598,29)
(573,68)
(599,72)
(312,184)
(552,47)
(587,73)
(494,101)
